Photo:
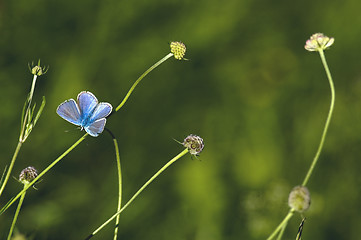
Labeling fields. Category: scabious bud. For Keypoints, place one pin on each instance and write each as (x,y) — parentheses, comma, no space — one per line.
(318,42)
(27,175)
(194,144)
(37,69)
(299,199)
(178,49)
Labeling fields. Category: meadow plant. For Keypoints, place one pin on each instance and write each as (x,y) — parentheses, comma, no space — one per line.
(28,120)
(299,198)
(91,116)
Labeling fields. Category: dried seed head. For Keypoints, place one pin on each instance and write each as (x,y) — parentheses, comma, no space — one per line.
(27,175)
(318,41)
(194,144)
(299,199)
(178,49)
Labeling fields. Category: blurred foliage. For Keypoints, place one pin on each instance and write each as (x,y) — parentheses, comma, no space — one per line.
(258,99)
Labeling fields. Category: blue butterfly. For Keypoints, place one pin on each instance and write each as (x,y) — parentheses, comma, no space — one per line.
(86,112)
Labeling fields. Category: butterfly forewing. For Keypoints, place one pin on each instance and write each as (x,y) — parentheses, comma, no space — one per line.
(96,127)
(69,110)
(87,103)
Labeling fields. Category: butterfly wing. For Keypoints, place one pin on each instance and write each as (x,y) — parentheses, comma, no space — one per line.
(96,127)
(69,111)
(102,110)
(87,102)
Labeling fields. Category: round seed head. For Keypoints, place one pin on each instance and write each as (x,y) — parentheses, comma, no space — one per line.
(194,144)
(299,199)
(28,174)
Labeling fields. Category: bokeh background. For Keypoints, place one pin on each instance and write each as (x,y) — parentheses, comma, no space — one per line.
(258,99)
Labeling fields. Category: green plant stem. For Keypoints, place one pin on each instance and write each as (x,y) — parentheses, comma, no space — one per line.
(138,192)
(16,214)
(281,232)
(8,173)
(32,88)
(283,224)
(27,112)
(42,173)
(313,164)
(140,78)
(119,188)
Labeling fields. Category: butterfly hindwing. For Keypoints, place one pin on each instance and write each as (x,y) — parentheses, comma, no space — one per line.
(96,127)
(69,111)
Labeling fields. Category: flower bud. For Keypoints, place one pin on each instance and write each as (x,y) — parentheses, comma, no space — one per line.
(178,49)
(299,199)
(27,175)
(37,69)
(194,144)
(318,41)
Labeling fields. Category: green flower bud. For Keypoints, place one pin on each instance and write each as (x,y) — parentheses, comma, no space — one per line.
(37,69)
(178,49)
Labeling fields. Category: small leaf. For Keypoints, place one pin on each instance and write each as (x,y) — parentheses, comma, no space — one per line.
(40,110)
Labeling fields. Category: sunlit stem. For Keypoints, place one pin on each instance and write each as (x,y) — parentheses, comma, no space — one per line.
(138,192)
(283,224)
(281,232)
(119,188)
(140,78)
(28,109)
(313,164)
(16,214)
(42,173)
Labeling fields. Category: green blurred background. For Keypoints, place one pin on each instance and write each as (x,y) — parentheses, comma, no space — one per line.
(258,99)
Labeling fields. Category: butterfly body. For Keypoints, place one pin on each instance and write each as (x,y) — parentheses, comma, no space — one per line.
(86,112)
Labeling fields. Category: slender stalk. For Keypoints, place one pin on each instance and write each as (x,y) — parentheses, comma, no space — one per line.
(119,188)
(8,173)
(140,78)
(16,214)
(32,88)
(138,192)
(42,173)
(281,232)
(27,112)
(313,164)
(283,224)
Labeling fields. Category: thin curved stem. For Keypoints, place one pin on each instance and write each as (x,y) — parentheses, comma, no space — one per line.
(138,192)
(140,78)
(16,214)
(281,232)
(42,173)
(119,187)
(8,172)
(283,224)
(313,164)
